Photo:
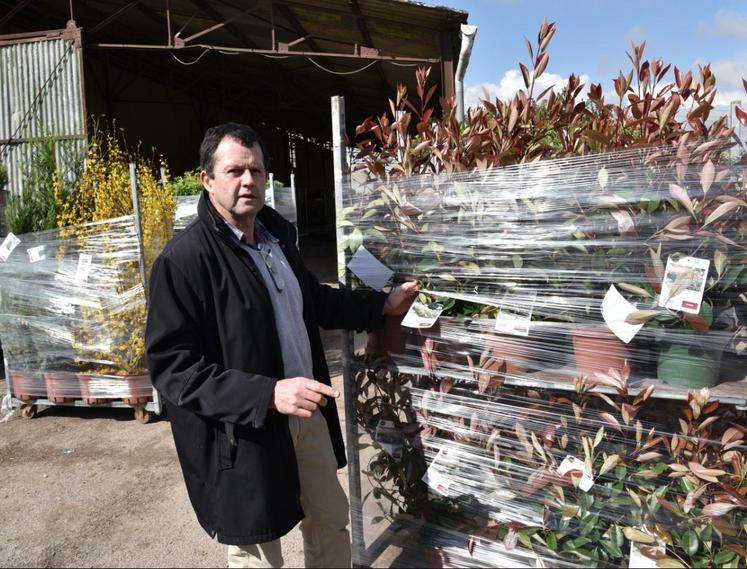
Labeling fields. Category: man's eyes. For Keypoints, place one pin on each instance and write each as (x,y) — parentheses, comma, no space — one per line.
(239,171)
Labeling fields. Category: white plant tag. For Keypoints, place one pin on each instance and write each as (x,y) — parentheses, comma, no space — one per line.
(369,269)
(390,438)
(36,254)
(638,559)
(684,283)
(270,194)
(571,463)
(615,309)
(422,315)
(6,248)
(84,267)
(437,476)
(515,315)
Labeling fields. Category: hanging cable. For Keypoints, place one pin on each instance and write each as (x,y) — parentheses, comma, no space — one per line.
(341,72)
(404,64)
(199,57)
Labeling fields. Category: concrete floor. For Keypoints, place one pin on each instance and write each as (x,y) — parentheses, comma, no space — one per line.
(92,487)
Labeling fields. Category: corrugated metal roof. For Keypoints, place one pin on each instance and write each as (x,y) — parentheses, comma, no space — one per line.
(293,92)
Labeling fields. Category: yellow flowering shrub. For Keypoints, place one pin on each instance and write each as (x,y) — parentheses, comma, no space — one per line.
(109,337)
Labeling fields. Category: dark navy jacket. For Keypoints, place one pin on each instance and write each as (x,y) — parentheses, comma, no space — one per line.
(214,356)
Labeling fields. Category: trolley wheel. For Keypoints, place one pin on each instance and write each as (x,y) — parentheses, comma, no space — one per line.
(28,411)
(143,416)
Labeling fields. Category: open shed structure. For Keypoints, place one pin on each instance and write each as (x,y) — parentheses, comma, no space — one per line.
(165,70)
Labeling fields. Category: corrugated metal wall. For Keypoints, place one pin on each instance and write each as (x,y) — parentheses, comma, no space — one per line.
(40,96)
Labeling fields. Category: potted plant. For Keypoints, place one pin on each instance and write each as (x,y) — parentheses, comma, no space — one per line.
(693,273)
(100,243)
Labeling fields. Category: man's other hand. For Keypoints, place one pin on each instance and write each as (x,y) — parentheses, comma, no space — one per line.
(300,396)
(400,298)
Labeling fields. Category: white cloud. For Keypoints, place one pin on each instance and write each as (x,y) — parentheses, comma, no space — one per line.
(730,72)
(511,82)
(727,23)
(635,35)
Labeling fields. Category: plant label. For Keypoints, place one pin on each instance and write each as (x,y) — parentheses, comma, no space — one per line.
(615,309)
(6,248)
(369,269)
(422,315)
(515,314)
(439,476)
(390,438)
(571,463)
(84,267)
(36,254)
(684,284)
(270,194)
(639,559)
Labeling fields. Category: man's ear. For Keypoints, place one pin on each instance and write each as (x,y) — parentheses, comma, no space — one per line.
(207,181)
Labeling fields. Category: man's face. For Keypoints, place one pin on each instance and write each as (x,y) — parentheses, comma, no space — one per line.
(237,187)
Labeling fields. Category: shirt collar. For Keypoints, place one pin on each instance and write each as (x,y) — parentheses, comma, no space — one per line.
(261,234)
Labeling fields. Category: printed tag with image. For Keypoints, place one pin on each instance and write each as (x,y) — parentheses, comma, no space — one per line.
(6,248)
(422,315)
(84,267)
(684,284)
(36,254)
(639,559)
(390,438)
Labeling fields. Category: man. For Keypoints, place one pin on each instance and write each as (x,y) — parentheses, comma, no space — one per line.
(233,346)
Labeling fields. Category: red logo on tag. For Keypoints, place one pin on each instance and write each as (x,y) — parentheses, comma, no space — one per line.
(687,304)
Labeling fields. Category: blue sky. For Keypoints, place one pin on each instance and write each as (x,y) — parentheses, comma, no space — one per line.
(593,36)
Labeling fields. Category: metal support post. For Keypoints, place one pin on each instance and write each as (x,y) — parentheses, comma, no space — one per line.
(141,255)
(339,152)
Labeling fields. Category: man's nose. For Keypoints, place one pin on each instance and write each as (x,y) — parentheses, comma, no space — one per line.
(247,179)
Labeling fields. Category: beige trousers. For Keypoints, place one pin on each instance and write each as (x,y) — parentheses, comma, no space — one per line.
(325,536)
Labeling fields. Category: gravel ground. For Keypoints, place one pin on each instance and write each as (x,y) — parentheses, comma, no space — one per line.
(91,487)
(87,487)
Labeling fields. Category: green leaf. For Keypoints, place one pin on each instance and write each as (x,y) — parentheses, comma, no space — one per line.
(690,543)
(369,213)
(612,549)
(525,539)
(355,239)
(552,541)
(518,261)
(730,276)
(723,556)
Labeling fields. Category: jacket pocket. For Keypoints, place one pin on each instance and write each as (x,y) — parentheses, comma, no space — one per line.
(226,445)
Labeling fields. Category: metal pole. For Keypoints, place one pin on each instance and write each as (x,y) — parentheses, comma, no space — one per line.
(141,256)
(138,227)
(351,423)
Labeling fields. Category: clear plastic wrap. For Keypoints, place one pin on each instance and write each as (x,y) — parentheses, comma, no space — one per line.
(72,314)
(563,405)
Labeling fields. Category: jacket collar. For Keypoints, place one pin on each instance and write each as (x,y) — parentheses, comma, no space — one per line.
(272,220)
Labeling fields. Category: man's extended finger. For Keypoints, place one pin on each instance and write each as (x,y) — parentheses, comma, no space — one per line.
(314,397)
(323,389)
